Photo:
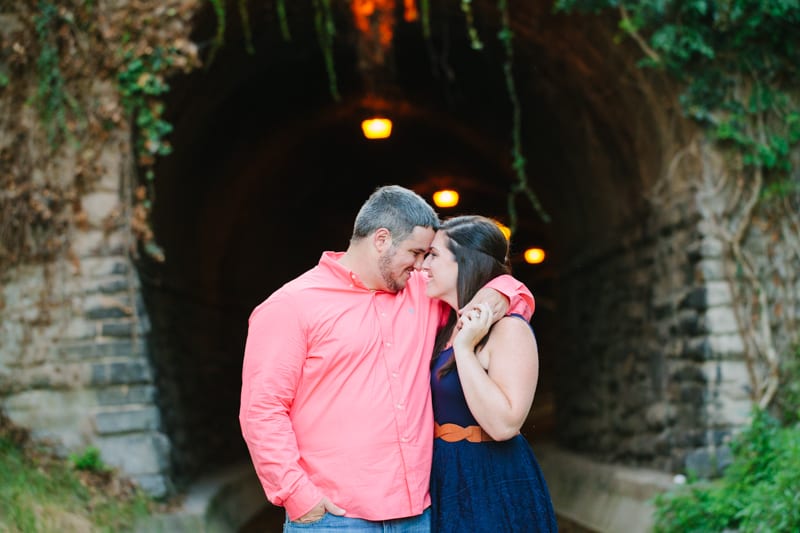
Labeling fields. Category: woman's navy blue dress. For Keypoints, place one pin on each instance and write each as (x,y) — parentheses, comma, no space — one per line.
(483,487)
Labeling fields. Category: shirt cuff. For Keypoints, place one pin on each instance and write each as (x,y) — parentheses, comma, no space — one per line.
(302,501)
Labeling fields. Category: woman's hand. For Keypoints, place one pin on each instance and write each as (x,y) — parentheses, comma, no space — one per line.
(475,323)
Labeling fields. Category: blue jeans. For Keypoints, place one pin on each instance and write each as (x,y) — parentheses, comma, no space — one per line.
(414,524)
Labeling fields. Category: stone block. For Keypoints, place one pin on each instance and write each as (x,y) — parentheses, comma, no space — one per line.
(127,420)
(687,373)
(54,376)
(691,323)
(726,411)
(8,384)
(93,243)
(712,294)
(659,415)
(99,205)
(113,157)
(721,320)
(156,485)
(137,453)
(730,372)
(98,307)
(692,393)
(115,285)
(12,333)
(644,445)
(61,416)
(101,349)
(76,328)
(664,308)
(709,270)
(729,345)
(695,298)
(697,349)
(126,394)
(718,293)
(93,267)
(709,463)
(120,328)
(24,290)
(708,247)
(691,438)
(130,371)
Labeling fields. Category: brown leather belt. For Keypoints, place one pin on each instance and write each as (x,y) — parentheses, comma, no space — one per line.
(455,433)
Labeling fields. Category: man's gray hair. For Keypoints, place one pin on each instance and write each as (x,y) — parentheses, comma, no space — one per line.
(397,209)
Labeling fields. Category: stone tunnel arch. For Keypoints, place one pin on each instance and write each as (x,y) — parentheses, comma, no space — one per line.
(643,359)
(268,171)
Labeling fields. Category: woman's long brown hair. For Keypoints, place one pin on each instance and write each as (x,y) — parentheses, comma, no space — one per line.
(481,252)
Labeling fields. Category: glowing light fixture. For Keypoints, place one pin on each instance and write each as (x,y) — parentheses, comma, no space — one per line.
(534,256)
(445,198)
(376,128)
(505,229)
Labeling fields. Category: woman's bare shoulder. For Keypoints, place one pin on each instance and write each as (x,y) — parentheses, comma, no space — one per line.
(512,329)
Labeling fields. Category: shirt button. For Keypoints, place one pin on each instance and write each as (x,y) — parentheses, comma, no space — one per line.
(394,375)
(388,344)
(404,439)
(400,405)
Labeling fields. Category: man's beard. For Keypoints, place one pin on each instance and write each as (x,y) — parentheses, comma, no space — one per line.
(385,265)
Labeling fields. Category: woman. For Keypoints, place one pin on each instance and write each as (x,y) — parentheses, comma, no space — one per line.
(485,477)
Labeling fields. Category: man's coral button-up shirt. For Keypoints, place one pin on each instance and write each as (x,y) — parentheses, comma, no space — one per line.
(336,395)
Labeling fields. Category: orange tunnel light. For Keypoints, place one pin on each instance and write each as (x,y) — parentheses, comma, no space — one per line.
(376,128)
(505,229)
(445,198)
(534,256)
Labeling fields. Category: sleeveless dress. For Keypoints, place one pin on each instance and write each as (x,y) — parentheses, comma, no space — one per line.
(483,487)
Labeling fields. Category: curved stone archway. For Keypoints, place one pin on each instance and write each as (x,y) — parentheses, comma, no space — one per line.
(268,171)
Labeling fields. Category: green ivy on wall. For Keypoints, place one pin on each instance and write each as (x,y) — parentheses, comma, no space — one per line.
(738,61)
(52,100)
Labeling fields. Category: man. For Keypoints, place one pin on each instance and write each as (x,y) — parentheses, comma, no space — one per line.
(336,406)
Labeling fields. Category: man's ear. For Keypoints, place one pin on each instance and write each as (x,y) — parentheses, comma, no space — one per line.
(382,239)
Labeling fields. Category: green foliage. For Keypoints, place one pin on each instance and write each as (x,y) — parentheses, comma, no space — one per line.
(787,401)
(141,86)
(283,21)
(425,17)
(248,32)
(757,493)
(474,38)
(40,493)
(506,36)
(89,460)
(141,82)
(738,61)
(326,31)
(219,37)
(52,100)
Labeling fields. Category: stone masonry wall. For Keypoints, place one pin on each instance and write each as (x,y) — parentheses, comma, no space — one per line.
(74,368)
(653,374)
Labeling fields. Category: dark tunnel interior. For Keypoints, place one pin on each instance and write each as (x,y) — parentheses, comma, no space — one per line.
(268,170)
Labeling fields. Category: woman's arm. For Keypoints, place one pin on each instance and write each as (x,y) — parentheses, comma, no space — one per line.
(500,398)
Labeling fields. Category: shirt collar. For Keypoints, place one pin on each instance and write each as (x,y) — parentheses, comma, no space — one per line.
(330,262)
